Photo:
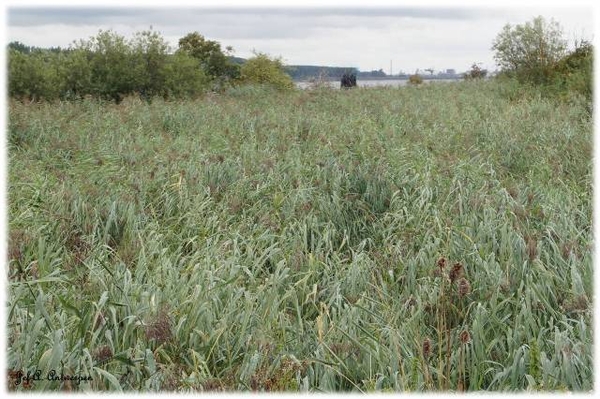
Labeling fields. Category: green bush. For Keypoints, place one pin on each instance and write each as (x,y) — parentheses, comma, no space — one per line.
(184,77)
(76,74)
(150,52)
(535,57)
(530,51)
(34,76)
(263,70)
(214,61)
(415,79)
(576,70)
(108,66)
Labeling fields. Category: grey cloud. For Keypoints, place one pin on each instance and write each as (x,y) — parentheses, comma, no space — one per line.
(228,25)
(30,16)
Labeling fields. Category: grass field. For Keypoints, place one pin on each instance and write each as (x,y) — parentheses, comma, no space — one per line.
(384,239)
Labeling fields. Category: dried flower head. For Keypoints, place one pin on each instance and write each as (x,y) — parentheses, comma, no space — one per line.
(159,329)
(465,337)
(27,384)
(13,377)
(464,287)
(441,263)
(213,384)
(531,248)
(102,354)
(99,321)
(456,272)
(426,347)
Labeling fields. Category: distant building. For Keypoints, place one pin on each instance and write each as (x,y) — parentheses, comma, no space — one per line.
(451,71)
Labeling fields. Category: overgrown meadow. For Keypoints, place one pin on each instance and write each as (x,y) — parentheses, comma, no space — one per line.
(385,239)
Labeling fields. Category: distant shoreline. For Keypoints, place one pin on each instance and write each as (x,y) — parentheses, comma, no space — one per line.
(401,77)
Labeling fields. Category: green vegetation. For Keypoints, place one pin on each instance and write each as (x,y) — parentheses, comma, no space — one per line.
(108,66)
(212,59)
(415,79)
(180,222)
(264,70)
(530,51)
(388,239)
(475,72)
(534,59)
(535,55)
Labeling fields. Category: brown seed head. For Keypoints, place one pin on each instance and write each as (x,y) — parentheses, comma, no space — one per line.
(99,321)
(464,287)
(465,337)
(27,384)
(160,328)
(531,248)
(102,354)
(441,263)
(426,347)
(456,272)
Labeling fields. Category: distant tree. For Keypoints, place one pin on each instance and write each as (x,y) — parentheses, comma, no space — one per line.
(151,52)
(76,74)
(184,77)
(214,61)
(262,69)
(415,79)
(112,63)
(575,71)
(34,76)
(348,80)
(475,72)
(530,51)
(20,47)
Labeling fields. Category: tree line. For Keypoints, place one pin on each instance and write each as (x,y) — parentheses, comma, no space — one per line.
(533,55)
(109,66)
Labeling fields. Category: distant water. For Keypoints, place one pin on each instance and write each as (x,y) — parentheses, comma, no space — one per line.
(371,83)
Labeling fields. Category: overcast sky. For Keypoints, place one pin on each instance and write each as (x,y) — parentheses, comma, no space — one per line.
(369,38)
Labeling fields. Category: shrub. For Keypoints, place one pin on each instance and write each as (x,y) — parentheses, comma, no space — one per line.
(530,51)
(34,76)
(475,72)
(150,51)
(575,71)
(262,69)
(214,61)
(415,79)
(184,77)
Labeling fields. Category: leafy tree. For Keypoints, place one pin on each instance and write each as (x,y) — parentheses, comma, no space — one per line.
(184,77)
(76,74)
(575,71)
(214,61)
(20,47)
(261,69)
(150,52)
(530,51)
(112,65)
(34,76)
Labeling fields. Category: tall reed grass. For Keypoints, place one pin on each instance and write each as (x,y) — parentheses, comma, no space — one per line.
(384,239)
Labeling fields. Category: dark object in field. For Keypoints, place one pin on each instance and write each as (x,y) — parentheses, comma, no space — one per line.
(348,80)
